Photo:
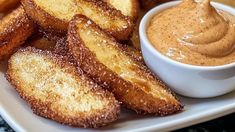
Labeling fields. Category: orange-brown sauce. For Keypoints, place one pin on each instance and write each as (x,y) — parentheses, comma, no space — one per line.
(194,32)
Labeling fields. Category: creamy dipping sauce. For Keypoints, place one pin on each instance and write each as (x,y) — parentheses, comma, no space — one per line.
(194,32)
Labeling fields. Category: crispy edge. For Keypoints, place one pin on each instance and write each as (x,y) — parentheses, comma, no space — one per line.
(44,40)
(126,92)
(135,39)
(61,48)
(51,23)
(132,52)
(120,34)
(15,33)
(6,5)
(42,109)
(135,7)
(44,19)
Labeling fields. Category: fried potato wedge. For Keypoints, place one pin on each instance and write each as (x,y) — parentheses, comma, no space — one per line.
(39,41)
(1,15)
(61,47)
(127,7)
(43,43)
(133,52)
(103,59)
(56,14)
(56,90)
(15,28)
(135,38)
(6,5)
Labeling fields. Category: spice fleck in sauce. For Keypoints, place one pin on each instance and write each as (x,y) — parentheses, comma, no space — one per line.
(194,32)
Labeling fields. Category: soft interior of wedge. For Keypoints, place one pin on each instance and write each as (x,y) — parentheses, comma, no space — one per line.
(45,81)
(62,9)
(66,9)
(107,53)
(125,6)
(101,17)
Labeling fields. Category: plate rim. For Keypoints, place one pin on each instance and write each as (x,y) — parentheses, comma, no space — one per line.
(174,124)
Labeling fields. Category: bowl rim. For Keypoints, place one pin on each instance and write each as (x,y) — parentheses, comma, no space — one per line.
(145,41)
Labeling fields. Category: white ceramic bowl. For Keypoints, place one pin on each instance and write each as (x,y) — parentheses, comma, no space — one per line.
(185,79)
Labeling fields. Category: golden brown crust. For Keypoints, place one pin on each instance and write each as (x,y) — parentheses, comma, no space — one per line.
(7,5)
(44,19)
(133,52)
(61,47)
(15,28)
(45,106)
(136,9)
(127,7)
(135,39)
(99,8)
(42,43)
(43,40)
(132,95)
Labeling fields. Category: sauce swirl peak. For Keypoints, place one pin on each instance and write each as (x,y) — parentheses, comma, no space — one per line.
(194,32)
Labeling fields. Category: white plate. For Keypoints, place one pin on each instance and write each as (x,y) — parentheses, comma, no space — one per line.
(20,117)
